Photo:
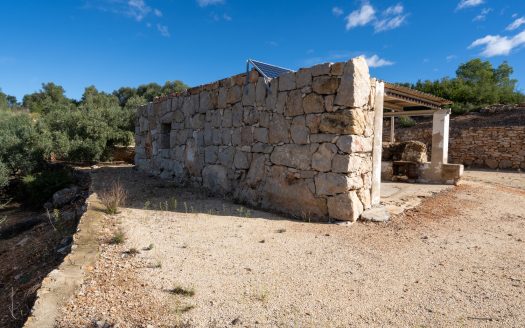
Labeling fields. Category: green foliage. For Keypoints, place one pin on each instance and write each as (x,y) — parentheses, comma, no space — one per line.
(51,96)
(4,175)
(21,145)
(477,83)
(406,121)
(35,189)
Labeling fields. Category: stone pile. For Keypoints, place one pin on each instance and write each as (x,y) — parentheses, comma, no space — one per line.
(302,145)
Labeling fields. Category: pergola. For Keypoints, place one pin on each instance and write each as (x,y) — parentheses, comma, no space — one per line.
(403,101)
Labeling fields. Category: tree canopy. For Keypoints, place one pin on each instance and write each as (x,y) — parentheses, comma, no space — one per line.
(477,83)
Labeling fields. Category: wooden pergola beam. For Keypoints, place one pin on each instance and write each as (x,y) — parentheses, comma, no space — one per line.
(426,112)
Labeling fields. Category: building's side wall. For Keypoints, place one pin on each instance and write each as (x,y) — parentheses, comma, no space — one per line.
(491,147)
(303,148)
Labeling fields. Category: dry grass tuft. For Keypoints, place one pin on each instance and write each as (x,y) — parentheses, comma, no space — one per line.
(113,198)
(178,290)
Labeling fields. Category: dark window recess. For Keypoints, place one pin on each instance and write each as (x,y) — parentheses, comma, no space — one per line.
(165,130)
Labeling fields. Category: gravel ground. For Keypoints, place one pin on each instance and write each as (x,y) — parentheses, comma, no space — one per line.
(455,260)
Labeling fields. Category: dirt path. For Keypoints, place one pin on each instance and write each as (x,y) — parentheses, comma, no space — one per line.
(456,260)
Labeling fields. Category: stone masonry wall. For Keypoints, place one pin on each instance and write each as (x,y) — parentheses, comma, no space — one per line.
(303,147)
(490,147)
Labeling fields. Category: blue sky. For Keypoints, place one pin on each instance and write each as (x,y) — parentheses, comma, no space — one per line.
(114,43)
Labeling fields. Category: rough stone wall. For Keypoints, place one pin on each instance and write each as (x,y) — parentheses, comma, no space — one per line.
(303,147)
(489,147)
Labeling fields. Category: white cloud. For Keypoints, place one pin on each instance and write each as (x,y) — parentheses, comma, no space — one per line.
(360,17)
(391,18)
(157,12)
(205,3)
(138,9)
(451,57)
(496,45)
(336,11)
(375,61)
(482,15)
(516,24)
(469,3)
(227,17)
(164,31)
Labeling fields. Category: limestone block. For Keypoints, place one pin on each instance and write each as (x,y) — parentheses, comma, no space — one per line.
(313,103)
(178,116)
(329,103)
(210,154)
(226,155)
(256,173)
(298,131)
(260,92)
(227,118)
(325,85)
(291,155)
(242,160)
(248,95)
(322,158)
(322,137)
(264,119)
(208,134)
(290,195)
(222,98)
(354,144)
(226,136)
(236,137)
(246,136)
(215,179)
(278,131)
(260,134)
(234,95)
(294,103)
(312,122)
(287,81)
(321,69)
(343,122)
(337,69)
(303,78)
(197,121)
(347,164)
(192,159)
(262,148)
(345,207)
(281,102)
(237,113)
(214,117)
(335,183)
(216,136)
(205,102)
(355,87)
(188,107)
(250,116)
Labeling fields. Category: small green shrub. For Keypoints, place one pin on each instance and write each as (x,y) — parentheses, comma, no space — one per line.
(35,189)
(406,121)
(118,238)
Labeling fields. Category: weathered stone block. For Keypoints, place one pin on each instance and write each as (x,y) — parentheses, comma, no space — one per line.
(322,158)
(192,159)
(222,98)
(355,87)
(294,104)
(354,144)
(227,118)
(260,134)
(234,95)
(347,164)
(287,81)
(313,103)
(215,179)
(242,160)
(248,97)
(343,122)
(303,78)
(260,92)
(262,148)
(278,131)
(246,136)
(298,130)
(321,69)
(256,173)
(291,155)
(237,113)
(335,183)
(345,207)
(226,155)
(210,154)
(325,85)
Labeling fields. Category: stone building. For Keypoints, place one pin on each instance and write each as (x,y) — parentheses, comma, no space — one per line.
(305,143)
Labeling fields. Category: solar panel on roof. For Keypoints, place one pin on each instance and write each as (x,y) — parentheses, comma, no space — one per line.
(267,70)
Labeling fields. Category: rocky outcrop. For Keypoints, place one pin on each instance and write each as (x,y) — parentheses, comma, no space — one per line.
(302,145)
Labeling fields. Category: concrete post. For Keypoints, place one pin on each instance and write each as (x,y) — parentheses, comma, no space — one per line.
(440,125)
(378,144)
(392,129)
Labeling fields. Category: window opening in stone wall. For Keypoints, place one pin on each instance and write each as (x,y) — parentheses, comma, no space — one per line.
(165,129)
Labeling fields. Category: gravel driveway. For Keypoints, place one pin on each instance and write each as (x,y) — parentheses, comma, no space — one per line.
(458,259)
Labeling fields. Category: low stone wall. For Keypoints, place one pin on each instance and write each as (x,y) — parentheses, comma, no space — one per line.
(485,147)
(302,147)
